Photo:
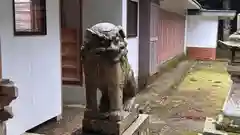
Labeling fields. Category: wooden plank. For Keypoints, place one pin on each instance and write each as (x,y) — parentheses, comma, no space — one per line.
(70,56)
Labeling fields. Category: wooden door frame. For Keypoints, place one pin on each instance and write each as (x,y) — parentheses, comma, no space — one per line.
(79,43)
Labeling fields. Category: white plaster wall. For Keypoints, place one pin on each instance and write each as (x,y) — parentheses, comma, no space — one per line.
(34,63)
(101,11)
(115,11)
(202,31)
(133,52)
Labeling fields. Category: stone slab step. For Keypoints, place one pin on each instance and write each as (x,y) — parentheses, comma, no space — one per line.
(139,127)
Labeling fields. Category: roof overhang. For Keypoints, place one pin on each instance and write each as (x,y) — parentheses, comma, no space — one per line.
(221,14)
(193,4)
(180,6)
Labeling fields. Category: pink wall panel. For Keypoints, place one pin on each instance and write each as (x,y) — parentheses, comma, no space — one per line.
(171,35)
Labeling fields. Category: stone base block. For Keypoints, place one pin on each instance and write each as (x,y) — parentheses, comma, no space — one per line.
(138,127)
(210,128)
(107,127)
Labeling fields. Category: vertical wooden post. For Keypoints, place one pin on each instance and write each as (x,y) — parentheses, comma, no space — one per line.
(80,42)
(62,15)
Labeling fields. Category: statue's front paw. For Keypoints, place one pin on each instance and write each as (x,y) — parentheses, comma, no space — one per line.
(128,105)
(116,116)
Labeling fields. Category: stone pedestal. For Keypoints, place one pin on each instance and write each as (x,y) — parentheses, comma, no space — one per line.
(109,127)
(138,126)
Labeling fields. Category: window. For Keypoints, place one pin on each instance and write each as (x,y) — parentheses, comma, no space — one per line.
(29,17)
(132,18)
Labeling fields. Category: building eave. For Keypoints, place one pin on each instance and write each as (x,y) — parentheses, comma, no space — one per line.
(221,14)
(196,4)
(180,7)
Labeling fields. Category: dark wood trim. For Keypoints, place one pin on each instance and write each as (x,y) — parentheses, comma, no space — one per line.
(65,82)
(193,12)
(43,22)
(132,35)
(79,44)
(62,16)
(135,34)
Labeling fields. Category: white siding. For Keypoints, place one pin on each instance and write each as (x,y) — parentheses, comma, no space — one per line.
(34,63)
(202,31)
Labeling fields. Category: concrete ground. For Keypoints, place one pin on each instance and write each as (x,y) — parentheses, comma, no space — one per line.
(174,110)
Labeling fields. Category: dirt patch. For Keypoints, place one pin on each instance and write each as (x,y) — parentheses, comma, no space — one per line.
(183,110)
(70,123)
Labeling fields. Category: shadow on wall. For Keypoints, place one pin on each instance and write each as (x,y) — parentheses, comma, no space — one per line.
(75,95)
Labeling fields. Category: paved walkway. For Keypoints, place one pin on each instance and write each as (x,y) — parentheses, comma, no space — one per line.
(174,111)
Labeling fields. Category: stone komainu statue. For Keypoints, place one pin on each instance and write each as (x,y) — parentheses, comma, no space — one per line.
(106,67)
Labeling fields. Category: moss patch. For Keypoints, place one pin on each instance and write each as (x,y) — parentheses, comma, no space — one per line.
(209,82)
(188,133)
(233,134)
(171,63)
